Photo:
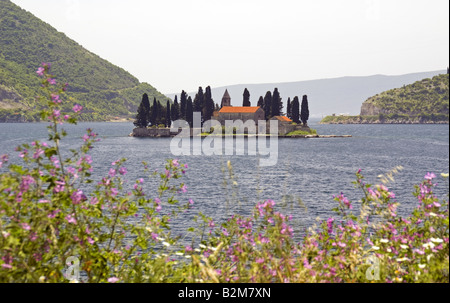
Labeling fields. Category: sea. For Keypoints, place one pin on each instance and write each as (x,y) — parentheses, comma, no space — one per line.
(308,172)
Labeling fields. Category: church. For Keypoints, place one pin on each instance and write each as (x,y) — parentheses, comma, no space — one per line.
(229,112)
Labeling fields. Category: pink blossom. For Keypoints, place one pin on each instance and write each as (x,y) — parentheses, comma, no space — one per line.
(123,171)
(66,117)
(51,81)
(191,202)
(260,260)
(430,176)
(71,219)
(77,108)
(56,99)
(40,71)
(113,280)
(184,189)
(90,240)
(38,153)
(26,226)
(77,197)
(175,163)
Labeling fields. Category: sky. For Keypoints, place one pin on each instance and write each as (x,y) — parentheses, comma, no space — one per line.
(182,44)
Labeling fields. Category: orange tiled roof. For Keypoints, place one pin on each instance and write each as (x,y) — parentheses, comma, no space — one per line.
(238,109)
(283,118)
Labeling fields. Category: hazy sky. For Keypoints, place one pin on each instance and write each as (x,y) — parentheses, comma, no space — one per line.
(183,44)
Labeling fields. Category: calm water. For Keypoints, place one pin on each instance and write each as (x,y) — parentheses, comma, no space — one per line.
(311,170)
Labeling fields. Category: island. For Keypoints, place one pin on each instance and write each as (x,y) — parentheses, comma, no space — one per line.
(423,102)
(157,121)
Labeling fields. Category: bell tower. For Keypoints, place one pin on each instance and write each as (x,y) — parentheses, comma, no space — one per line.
(226,100)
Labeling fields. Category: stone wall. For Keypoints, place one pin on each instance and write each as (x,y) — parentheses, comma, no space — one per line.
(151,132)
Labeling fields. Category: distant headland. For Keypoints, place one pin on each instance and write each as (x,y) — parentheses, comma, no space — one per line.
(423,102)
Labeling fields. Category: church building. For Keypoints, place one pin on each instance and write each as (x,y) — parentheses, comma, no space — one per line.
(229,112)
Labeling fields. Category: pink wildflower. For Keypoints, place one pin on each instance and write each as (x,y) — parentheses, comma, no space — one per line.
(77,108)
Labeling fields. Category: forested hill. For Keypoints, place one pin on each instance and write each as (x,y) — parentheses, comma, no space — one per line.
(425,101)
(426,97)
(103,89)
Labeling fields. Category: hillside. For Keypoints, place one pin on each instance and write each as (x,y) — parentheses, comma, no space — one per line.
(326,96)
(425,101)
(103,89)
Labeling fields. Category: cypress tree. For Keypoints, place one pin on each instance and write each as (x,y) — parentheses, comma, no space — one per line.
(288,110)
(183,102)
(189,111)
(295,110)
(246,102)
(175,110)
(146,103)
(198,100)
(154,113)
(141,117)
(159,113)
(268,105)
(168,120)
(208,105)
(305,110)
(276,104)
(261,102)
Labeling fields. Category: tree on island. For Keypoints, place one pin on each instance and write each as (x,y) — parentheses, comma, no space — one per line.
(295,110)
(261,102)
(305,110)
(175,110)
(168,120)
(183,102)
(277,106)
(143,113)
(268,104)
(154,113)
(189,112)
(198,100)
(246,102)
(289,109)
(208,105)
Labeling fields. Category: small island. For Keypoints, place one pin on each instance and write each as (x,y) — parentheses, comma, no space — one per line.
(156,121)
(423,102)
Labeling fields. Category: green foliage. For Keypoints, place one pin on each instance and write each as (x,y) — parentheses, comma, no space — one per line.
(426,97)
(104,90)
(303,133)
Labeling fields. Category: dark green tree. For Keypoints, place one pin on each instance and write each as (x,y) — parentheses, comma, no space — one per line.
(168,120)
(183,102)
(198,100)
(154,113)
(276,100)
(189,111)
(268,105)
(261,102)
(305,110)
(141,117)
(208,105)
(295,110)
(288,109)
(246,102)
(175,110)
(146,103)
